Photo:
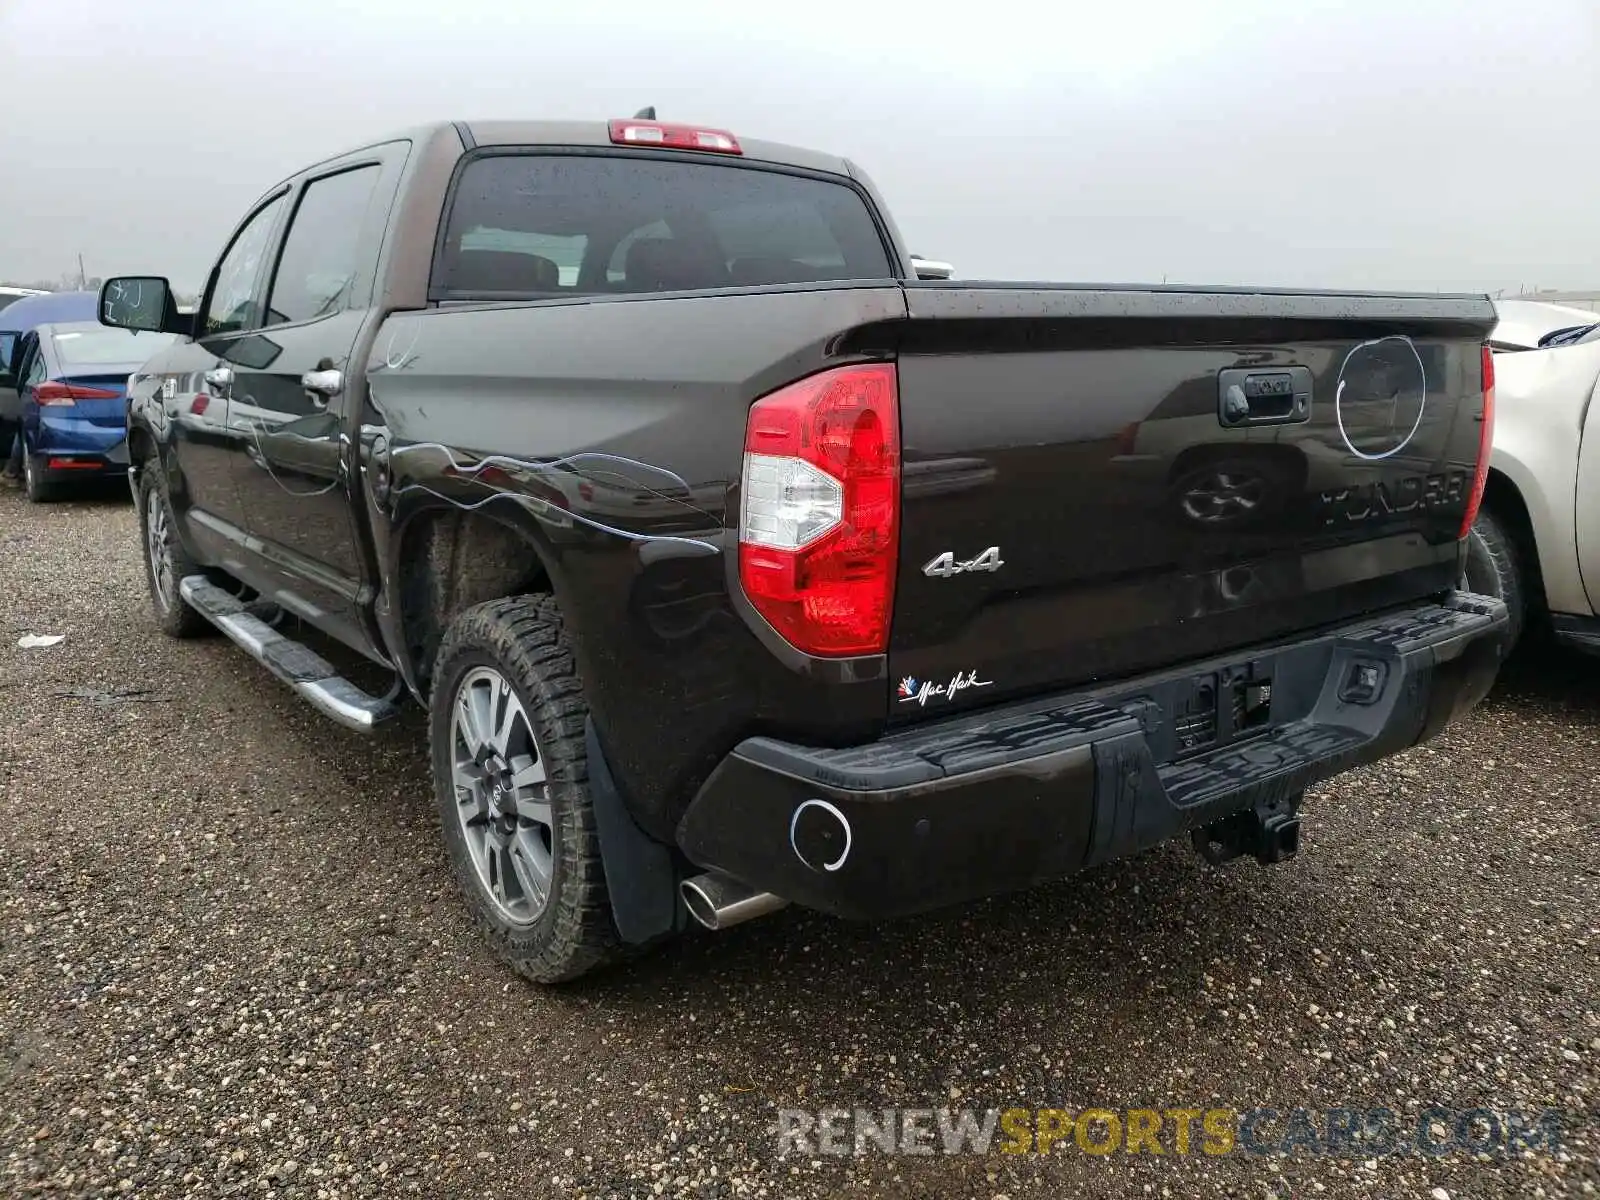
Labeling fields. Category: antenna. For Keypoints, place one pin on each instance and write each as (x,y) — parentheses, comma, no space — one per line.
(648,113)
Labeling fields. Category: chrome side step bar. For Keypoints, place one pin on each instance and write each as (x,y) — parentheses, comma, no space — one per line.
(302,668)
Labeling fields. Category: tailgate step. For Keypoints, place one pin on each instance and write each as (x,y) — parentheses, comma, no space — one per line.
(302,668)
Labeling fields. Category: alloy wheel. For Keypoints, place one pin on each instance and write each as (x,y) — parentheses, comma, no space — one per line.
(158,545)
(502,795)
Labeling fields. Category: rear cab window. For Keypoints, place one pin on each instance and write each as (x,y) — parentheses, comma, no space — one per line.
(549,224)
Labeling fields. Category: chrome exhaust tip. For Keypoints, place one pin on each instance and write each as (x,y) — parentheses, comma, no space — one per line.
(718,902)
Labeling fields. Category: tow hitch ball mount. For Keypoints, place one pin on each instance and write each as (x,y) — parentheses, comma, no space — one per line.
(1269,831)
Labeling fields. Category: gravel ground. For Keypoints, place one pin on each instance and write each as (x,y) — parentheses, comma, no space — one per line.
(232,963)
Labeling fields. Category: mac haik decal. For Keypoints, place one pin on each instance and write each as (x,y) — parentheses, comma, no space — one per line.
(920,691)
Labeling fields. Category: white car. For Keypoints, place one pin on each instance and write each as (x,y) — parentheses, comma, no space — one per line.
(1536,543)
(1524,324)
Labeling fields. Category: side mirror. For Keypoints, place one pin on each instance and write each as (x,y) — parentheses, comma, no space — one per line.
(141,302)
(928,268)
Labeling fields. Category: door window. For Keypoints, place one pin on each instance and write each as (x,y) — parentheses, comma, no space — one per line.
(321,254)
(36,368)
(233,300)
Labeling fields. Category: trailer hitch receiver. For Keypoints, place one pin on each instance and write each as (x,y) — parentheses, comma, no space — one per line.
(1269,831)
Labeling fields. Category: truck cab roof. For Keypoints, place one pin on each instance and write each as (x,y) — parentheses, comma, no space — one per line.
(588,134)
(598,134)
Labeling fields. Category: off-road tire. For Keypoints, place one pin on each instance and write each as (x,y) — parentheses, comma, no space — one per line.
(1494,568)
(524,640)
(175,618)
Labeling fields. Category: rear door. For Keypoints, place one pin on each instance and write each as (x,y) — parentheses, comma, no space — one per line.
(292,391)
(1079,504)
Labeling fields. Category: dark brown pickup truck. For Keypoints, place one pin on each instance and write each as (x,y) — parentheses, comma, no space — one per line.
(739,566)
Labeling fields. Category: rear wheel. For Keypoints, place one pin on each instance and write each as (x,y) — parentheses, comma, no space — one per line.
(1494,568)
(166,562)
(510,770)
(40,491)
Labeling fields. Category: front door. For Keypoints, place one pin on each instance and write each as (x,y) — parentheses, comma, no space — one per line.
(195,391)
(292,385)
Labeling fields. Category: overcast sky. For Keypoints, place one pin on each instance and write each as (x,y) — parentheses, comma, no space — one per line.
(1429,144)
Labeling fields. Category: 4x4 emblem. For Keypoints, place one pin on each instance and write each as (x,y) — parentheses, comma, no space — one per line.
(946,564)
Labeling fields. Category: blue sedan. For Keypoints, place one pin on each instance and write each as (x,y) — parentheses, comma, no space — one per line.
(74,388)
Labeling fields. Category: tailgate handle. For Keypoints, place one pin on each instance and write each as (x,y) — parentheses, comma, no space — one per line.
(1263,396)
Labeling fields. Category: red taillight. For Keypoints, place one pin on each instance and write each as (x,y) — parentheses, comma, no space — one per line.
(819,509)
(70,464)
(673,137)
(53,393)
(1480,476)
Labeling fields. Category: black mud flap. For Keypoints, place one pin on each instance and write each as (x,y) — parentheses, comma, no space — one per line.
(641,878)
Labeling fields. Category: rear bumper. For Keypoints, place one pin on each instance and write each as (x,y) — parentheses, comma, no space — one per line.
(1007,799)
(91,448)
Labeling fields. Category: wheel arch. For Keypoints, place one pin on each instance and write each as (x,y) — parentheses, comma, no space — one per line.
(150,449)
(447,559)
(141,450)
(1503,496)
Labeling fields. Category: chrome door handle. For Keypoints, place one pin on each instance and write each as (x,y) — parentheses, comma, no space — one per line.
(328,382)
(220,378)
